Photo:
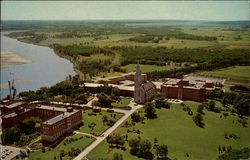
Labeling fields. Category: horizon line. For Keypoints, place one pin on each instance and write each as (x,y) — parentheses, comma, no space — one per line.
(116,20)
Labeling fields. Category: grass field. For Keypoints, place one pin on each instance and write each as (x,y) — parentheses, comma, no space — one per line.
(99,128)
(55,152)
(235,75)
(122,103)
(176,129)
(225,37)
(147,68)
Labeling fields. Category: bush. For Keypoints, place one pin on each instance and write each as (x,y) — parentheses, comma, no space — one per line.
(136,117)
(198,120)
(43,150)
(233,154)
(110,111)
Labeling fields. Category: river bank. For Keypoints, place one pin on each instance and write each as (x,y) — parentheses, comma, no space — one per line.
(52,47)
(47,67)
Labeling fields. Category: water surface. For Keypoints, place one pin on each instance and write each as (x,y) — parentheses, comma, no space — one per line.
(46,68)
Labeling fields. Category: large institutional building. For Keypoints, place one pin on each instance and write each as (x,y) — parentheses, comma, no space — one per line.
(136,85)
(57,121)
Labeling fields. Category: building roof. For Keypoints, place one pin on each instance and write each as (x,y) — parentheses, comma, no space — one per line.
(127,82)
(61,116)
(121,87)
(55,119)
(158,84)
(15,105)
(13,114)
(147,86)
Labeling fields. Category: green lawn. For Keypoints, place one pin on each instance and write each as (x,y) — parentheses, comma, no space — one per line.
(147,68)
(124,102)
(81,144)
(99,128)
(176,129)
(240,74)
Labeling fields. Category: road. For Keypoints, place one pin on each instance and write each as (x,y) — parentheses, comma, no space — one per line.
(108,131)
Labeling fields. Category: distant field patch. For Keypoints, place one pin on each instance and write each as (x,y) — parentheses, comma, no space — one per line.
(236,73)
(147,68)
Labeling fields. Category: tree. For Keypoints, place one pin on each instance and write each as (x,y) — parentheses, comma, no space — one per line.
(155,140)
(92,126)
(116,139)
(104,119)
(235,154)
(95,103)
(166,104)
(200,109)
(211,105)
(10,135)
(136,117)
(145,146)
(134,143)
(228,98)
(104,100)
(149,109)
(28,125)
(159,100)
(162,151)
(242,106)
(144,149)
(117,156)
(115,91)
(198,120)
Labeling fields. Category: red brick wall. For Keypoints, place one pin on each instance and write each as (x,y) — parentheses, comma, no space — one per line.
(198,95)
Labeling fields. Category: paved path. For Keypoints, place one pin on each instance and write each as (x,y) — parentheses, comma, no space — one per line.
(108,131)
(86,134)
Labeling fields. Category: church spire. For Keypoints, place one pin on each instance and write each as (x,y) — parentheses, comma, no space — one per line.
(137,78)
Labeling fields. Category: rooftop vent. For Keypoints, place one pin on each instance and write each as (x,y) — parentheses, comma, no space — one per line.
(69,109)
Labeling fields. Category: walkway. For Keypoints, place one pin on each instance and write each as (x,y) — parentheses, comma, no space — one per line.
(86,134)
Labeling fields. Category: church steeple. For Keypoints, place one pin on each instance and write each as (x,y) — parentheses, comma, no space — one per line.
(137,79)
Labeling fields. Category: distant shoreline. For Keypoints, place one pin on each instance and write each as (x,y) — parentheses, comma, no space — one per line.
(9,59)
(50,46)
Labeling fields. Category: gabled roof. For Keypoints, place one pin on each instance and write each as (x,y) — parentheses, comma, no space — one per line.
(147,86)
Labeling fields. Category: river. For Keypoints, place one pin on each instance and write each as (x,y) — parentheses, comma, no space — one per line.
(46,68)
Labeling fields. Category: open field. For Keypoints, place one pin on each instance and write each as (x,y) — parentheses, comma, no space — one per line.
(124,102)
(147,68)
(176,129)
(235,75)
(226,37)
(55,152)
(97,119)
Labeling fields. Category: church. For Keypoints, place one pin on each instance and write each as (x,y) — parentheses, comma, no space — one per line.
(144,90)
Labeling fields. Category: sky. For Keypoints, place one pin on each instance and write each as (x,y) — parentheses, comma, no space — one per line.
(122,10)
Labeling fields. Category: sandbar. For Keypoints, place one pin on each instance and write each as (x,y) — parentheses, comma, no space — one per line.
(10,58)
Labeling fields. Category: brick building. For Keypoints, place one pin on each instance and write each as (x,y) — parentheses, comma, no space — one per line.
(186,90)
(56,121)
(136,85)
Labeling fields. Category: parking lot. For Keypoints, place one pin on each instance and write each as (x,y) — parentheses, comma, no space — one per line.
(9,152)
